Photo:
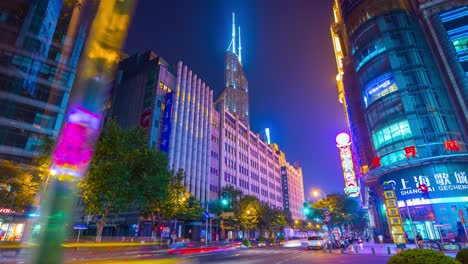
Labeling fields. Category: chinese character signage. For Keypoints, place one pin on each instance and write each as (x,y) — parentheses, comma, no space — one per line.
(393,215)
(410,152)
(166,127)
(284,179)
(451,145)
(442,181)
(343,142)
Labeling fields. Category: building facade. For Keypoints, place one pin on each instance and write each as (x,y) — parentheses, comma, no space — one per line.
(175,107)
(40,45)
(292,186)
(246,162)
(401,116)
(236,91)
(446,25)
(190,144)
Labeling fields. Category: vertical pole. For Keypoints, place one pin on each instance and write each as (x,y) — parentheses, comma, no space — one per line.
(206,225)
(411,223)
(78,238)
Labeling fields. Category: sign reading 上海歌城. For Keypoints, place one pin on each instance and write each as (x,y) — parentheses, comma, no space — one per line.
(393,214)
(442,181)
(343,142)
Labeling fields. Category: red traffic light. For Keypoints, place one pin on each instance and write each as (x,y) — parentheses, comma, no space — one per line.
(160,228)
(423,188)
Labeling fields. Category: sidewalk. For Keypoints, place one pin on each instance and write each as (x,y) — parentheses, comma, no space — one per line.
(378,249)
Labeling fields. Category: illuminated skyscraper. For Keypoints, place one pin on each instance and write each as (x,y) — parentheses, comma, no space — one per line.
(40,45)
(402,119)
(235,94)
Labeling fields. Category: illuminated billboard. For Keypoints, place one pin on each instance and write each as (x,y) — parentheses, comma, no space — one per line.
(343,142)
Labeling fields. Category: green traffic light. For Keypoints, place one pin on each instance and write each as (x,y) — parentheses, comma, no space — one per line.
(306,211)
(224,202)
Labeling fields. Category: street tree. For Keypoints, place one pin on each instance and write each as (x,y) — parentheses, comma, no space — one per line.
(249,212)
(18,187)
(121,158)
(344,211)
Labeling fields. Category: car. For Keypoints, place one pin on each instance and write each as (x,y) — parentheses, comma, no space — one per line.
(315,242)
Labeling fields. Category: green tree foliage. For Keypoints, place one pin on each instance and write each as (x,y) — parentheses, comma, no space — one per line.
(177,204)
(421,256)
(249,212)
(17,187)
(122,174)
(271,220)
(344,211)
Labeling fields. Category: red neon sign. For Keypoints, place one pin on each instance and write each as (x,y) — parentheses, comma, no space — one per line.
(376,162)
(410,152)
(451,145)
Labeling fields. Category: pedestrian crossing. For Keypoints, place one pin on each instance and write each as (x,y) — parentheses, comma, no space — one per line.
(276,251)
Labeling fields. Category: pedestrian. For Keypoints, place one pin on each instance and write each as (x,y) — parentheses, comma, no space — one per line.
(380,239)
(420,240)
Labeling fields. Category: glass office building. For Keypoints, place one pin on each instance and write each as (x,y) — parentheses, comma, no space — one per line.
(414,135)
(40,45)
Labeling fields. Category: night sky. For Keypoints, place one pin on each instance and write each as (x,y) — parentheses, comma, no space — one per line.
(288,59)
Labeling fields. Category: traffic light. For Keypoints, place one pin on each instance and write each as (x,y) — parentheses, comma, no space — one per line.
(424,190)
(191,201)
(224,199)
(306,209)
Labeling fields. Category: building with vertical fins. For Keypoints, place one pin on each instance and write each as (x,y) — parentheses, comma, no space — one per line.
(235,94)
(40,45)
(403,113)
(174,105)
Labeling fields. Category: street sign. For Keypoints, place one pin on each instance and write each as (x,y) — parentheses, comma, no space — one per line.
(326,213)
(166,229)
(327,219)
(206,215)
(80,226)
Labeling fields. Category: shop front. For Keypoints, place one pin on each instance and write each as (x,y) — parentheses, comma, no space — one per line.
(441,213)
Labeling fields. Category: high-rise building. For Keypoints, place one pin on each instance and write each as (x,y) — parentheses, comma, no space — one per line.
(235,94)
(246,162)
(40,45)
(174,105)
(402,119)
(446,23)
(292,186)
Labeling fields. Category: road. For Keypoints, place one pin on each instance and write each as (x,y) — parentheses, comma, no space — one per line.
(283,256)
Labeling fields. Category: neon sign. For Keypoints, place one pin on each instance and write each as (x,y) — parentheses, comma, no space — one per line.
(74,147)
(343,142)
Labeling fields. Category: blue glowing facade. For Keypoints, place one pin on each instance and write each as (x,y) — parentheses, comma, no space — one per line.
(40,45)
(401,114)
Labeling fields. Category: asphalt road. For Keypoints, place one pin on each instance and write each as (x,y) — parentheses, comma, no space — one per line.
(282,256)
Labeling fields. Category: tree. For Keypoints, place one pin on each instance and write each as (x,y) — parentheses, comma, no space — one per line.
(234,196)
(121,160)
(17,187)
(249,212)
(271,220)
(344,211)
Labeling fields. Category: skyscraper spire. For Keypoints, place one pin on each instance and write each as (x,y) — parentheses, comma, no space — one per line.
(240,48)
(233,33)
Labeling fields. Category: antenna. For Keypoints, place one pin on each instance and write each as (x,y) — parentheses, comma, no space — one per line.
(233,33)
(240,48)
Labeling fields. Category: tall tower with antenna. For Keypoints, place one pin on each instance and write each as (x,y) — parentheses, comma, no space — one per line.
(235,94)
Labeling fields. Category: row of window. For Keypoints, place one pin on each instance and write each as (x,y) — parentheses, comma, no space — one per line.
(214,139)
(213,188)
(214,171)
(215,155)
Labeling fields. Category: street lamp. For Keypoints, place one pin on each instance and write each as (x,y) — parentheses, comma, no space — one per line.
(317,193)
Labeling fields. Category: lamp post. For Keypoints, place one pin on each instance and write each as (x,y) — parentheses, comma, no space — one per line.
(317,193)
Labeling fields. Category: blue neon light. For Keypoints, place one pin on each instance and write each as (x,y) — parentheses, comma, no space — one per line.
(369,57)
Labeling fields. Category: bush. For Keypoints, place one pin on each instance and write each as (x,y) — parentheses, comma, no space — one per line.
(246,242)
(421,256)
(462,256)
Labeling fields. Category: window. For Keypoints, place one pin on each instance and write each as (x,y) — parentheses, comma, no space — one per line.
(391,133)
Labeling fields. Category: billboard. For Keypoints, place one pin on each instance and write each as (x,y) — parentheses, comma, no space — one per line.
(443,180)
(343,142)
(166,126)
(284,181)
